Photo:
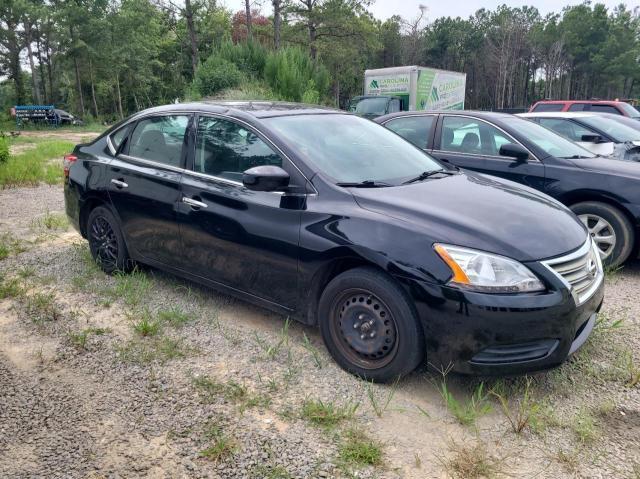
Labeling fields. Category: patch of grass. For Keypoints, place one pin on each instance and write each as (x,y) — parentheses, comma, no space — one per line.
(270,471)
(79,339)
(327,414)
(10,287)
(222,447)
(272,350)
(210,390)
(568,459)
(380,402)
(145,325)
(148,350)
(132,287)
(175,316)
(631,369)
(522,412)
(26,272)
(33,166)
(606,322)
(10,245)
(52,222)
(470,462)
(584,426)
(357,449)
(468,411)
(315,354)
(42,307)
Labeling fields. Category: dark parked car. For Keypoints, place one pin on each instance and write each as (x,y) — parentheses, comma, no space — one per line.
(603,192)
(336,221)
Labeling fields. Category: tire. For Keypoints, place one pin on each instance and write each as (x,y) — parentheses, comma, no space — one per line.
(609,225)
(369,325)
(106,243)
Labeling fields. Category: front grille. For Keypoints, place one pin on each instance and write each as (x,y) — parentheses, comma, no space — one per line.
(581,271)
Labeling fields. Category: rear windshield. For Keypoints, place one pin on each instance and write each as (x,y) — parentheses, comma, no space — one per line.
(629,110)
(542,107)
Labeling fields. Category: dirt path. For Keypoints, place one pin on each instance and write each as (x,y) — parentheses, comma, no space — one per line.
(220,389)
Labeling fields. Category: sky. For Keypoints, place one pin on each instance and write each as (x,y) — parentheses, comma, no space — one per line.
(409,9)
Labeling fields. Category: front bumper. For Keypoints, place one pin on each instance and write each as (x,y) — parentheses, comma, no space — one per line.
(476,333)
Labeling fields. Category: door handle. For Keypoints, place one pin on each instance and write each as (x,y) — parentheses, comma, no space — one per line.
(119,183)
(193,203)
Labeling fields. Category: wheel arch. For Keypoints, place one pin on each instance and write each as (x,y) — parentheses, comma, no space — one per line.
(89,204)
(572,198)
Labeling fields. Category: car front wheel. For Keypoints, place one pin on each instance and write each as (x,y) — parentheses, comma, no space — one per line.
(610,229)
(106,243)
(369,325)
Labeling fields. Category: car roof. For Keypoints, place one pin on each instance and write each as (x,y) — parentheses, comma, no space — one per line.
(560,114)
(487,115)
(571,102)
(240,109)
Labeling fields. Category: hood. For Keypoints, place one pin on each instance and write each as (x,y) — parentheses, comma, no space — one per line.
(481,212)
(610,165)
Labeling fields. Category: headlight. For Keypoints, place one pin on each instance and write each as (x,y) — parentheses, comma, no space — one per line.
(489,273)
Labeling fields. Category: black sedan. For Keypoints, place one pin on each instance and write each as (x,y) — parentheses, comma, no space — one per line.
(603,192)
(336,221)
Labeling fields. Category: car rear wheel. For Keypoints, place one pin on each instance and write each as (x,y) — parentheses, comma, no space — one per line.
(369,325)
(610,229)
(106,242)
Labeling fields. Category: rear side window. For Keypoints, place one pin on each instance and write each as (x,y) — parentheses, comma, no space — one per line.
(605,109)
(159,139)
(118,136)
(542,107)
(226,149)
(415,129)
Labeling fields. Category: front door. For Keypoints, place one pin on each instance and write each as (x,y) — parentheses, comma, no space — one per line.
(246,240)
(144,187)
(474,144)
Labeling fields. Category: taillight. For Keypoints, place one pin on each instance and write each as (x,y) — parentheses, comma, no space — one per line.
(68,161)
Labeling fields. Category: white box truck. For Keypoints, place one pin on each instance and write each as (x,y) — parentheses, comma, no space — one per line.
(387,90)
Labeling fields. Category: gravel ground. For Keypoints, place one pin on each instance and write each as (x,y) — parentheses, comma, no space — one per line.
(231,380)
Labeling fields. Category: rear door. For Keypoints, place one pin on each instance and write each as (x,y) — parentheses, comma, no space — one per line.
(144,186)
(246,240)
(474,144)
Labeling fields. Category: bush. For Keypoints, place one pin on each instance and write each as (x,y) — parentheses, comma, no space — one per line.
(249,57)
(215,74)
(4,149)
(291,72)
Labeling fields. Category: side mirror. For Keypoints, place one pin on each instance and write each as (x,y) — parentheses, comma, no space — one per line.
(512,150)
(265,178)
(592,139)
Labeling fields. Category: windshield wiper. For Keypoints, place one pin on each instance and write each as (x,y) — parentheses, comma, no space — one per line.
(364,184)
(577,157)
(426,174)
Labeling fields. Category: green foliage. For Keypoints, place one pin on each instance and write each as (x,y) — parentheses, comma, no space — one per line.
(359,450)
(468,411)
(249,57)
(327,414)
(215,74)
(292,73)
(4,149)
(42,164)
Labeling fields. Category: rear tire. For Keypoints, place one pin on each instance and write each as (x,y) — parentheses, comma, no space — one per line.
(610,228)
(106,242)
(369,325)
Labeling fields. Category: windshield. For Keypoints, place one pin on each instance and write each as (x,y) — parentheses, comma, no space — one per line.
(630,110)
(370,106)
(351,149)
(548,141)
(616,130)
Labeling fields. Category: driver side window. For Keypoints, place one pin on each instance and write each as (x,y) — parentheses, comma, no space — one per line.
(471,136)
(226,149)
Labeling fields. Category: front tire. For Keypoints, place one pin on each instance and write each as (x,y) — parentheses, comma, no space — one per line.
(106,243)
(370,326)
(610,229)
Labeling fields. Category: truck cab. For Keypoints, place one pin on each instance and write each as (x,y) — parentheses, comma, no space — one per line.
(372,106)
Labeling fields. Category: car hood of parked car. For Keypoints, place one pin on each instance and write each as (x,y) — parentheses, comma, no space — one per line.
(610,165)
(481,212)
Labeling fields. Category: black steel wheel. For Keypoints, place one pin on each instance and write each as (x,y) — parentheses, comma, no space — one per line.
(369,325)
(105,241)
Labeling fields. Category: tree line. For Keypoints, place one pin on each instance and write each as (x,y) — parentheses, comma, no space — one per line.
(108,58)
